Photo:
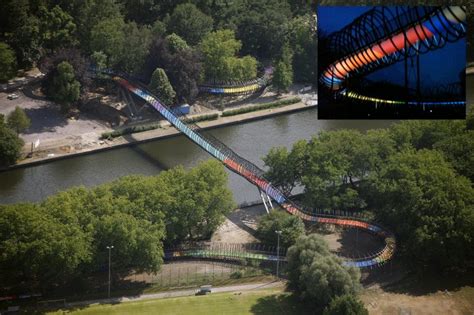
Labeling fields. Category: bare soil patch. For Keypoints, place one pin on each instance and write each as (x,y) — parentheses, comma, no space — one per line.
(239,226)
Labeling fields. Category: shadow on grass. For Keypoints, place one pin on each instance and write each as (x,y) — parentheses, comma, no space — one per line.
(421,284)
(280,304)
(357,243)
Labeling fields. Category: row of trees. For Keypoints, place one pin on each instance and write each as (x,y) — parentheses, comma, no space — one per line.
(64,238)
(415,177)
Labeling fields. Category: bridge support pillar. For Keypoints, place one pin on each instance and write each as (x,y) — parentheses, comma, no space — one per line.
(262,195)
(130,103)
(269,201)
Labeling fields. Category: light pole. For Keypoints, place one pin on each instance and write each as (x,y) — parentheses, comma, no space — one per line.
(110,249)
(278,251)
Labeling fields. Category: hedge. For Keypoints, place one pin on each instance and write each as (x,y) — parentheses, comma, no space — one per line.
(201,118)
(128,130)
(243,110)
(134,129)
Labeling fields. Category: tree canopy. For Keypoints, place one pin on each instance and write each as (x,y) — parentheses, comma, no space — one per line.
(10,144)
(183,68)
(219,51)
(291,228)
(316,274)
(7,63)
(190,23)
(65,237)
(429,206)
(283,74)
(64,88)
(415,177)
(123,30)
(18,120)
(161,86)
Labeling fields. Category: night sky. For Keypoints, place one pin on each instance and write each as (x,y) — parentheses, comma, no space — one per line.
(436,67)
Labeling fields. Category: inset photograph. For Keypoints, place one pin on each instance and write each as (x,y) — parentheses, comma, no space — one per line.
(391,62)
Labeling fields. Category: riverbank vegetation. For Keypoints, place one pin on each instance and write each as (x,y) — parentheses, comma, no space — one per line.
(254,108)
(414,177)
(63,239)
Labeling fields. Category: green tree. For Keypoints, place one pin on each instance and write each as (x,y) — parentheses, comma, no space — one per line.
(108,36)
(88,14)
(99,59)
(219,49)
(458,150)
(18,120)
(158,29)
(137,242)
(316,274)
(346,305)
(283,75)
(183,68)
(176,43)
(196,202)
(241,69)
(37,246)
(161,86)
(334,161)
(141,11)
(57,28)
(135,48)
(303,42)
(189,23)
(470,118)
(285,168)
(291,228)
(64,88)
(429,207)
(263,27)
(301,6)
(423,134)
(10,145)
(27,42)
(7,63)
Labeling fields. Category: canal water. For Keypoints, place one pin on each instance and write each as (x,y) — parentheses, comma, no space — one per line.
(251,140)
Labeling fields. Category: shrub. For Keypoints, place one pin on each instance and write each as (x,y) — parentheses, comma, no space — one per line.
(254,108)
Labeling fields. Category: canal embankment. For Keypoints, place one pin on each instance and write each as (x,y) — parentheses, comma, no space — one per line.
(57,149)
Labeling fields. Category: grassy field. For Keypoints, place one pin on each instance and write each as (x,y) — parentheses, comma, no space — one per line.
(276,301)
(269,301)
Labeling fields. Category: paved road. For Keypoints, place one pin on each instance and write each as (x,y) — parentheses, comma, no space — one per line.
(169,294)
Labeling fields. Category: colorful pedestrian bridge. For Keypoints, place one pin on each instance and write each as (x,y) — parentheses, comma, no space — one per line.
(254,175)
(386,35)
(238,88)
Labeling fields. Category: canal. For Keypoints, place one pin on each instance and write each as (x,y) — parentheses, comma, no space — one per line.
(251,140)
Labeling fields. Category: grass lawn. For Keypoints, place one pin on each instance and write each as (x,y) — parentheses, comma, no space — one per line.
(268,301)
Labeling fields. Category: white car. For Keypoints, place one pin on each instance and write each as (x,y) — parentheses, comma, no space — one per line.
(12,96)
